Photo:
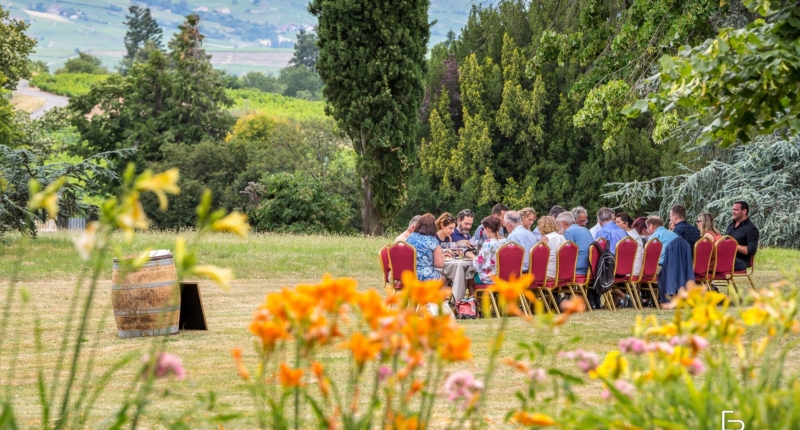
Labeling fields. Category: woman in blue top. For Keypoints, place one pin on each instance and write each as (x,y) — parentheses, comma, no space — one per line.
(429,253)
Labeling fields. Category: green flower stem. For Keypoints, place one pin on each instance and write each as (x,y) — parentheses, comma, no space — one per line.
(87,307)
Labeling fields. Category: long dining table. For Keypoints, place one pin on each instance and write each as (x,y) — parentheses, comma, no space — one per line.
(458,270)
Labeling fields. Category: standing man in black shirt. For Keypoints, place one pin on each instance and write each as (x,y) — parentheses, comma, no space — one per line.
(745,233)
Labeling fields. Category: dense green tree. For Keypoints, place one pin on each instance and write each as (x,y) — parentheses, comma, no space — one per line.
(297,203)
(372,61)
(258,80)
(178,98)
(15,46)
(84,63)
(740,84)
(299,78)
(142,37)
(306,50)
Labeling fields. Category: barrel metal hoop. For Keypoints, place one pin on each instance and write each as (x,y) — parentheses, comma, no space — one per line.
(142,333)
(138,286)
(132,312)
(150,263)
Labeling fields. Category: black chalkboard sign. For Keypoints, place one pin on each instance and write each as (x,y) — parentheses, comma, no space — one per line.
(192,315)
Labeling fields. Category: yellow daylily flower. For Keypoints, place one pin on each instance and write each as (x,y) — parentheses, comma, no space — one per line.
(221,276)
(47,199)
(234,222)
(87,241)
(161,184)
(612,367)
(133,218)
(754,316)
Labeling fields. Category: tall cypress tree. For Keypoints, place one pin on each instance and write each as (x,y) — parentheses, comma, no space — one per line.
(143,36)
(372,61)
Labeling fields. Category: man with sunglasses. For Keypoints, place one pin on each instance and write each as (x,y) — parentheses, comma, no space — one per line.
(465,219)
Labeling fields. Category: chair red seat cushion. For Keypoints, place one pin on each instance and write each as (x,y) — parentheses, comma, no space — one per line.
(625,278)
(482,286)
(553,284)
(740,272)
(580,279)
(720,277)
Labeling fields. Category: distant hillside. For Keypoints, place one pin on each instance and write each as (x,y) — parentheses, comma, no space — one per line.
(242,35)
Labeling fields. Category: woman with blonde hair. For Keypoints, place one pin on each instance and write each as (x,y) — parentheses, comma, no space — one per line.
(528,216)
(550,235)
(705,223)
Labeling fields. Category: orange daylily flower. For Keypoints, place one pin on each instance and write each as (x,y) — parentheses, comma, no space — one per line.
(268,330)
(456,347)
(373,307)
(422,292)
(533,420)
(319,372)
(332,293)
(510,290)
(290,377)
(237,358)
(569,307)
(363,348)
(415,388)
(403,423)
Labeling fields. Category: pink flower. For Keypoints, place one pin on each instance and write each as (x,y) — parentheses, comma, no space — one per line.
(165,364)
(462,385)
(663,347)
(624,387)
(383,373)
(695,367)
(538,374)
(632,345)
(699,343)
(586,360)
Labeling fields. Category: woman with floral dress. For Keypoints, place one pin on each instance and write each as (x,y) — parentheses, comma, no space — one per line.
(429,253)
(486,262)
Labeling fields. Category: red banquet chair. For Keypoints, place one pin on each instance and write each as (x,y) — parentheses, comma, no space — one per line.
(402,258)
(703,249)
(648,276)
(624,260)
(564,281)
(537,266)
(725,258)
(510,258)
(383,258)
(747,273)
(584,281)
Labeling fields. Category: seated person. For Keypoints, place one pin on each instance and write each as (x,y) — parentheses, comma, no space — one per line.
(609,230)
(520,235)
(429,253)
(463,225)
(705,223)
(445,225)
(689,233)
(402,237)
(486,263)
(745,233)
(655,226)
(640,225)
(580,235)
(625,222)
(553,239)
(498,211)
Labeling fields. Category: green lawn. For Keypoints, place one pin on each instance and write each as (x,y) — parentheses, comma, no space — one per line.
(262,263)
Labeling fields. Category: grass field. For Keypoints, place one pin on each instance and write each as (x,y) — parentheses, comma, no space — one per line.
(262,263)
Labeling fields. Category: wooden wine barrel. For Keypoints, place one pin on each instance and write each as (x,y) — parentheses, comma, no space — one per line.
(148,301)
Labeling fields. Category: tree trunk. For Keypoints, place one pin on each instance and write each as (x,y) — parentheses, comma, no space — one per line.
(370,222)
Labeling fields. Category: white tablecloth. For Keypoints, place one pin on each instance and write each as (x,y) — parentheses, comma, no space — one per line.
(457,271)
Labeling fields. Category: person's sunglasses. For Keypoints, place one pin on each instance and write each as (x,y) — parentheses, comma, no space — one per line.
(465,212)
(699,222)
